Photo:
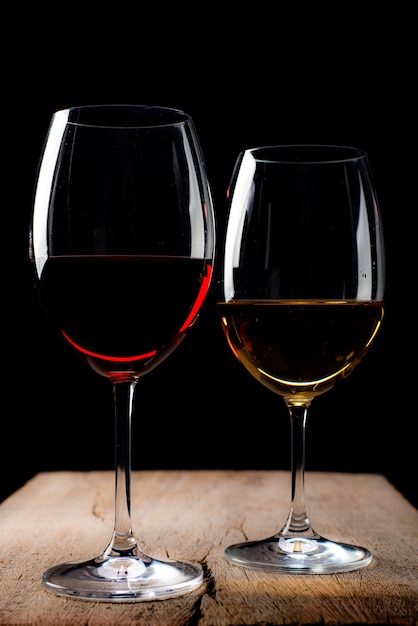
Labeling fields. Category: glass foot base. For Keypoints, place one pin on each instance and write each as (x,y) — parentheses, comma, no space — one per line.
(298,555)
(123,579)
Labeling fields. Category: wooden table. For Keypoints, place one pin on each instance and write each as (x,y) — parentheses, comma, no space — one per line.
(194,515)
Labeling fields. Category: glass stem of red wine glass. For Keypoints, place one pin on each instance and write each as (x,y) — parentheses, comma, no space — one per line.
(123,541)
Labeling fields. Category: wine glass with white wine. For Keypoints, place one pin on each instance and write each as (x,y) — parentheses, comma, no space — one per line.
(302,287)
(122,243)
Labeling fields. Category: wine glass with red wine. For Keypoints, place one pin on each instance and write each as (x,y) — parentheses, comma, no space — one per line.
(122,242)
(301,302)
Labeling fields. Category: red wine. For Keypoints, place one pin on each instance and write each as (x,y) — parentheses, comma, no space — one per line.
(300,349)
(123,313)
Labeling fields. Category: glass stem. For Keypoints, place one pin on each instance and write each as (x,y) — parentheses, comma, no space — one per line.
(123,542)
(297,522)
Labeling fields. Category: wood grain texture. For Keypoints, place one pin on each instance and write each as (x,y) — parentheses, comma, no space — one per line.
(194,515)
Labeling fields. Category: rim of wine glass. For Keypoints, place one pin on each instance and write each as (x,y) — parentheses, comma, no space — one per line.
(304,154)
(123,115)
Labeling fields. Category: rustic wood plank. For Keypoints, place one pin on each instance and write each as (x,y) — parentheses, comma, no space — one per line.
(195,515)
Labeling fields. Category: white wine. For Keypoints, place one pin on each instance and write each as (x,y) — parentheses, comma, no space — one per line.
(300,349)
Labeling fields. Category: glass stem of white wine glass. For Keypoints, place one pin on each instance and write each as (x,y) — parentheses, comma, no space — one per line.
(297,521)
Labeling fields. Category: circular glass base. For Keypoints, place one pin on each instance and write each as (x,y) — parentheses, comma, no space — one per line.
(298,555)
(123,579)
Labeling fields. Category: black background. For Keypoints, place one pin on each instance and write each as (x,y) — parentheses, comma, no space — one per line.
(247,77)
